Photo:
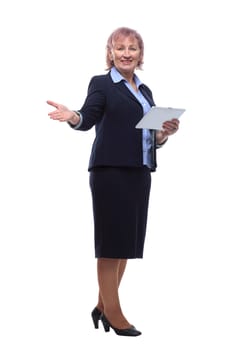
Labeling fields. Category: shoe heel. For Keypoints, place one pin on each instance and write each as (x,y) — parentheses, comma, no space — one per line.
(105,323)
(96,323)
(96,316)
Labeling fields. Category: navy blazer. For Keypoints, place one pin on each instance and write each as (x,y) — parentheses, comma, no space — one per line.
(114,111)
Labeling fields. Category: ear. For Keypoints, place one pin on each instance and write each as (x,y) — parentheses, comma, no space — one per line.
(111,56)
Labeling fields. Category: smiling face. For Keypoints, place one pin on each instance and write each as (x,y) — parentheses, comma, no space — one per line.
(126,54)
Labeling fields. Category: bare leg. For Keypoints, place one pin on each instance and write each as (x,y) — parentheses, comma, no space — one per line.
(121,270)
(122,266)
(110,272)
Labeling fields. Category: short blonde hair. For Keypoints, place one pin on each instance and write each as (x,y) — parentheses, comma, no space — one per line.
(123,31)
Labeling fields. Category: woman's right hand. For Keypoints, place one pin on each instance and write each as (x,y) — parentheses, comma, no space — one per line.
(62,113)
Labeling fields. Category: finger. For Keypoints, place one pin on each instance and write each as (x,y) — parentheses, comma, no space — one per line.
(172,124)
(54,115)
(52,103)
(170,129)
(175,120)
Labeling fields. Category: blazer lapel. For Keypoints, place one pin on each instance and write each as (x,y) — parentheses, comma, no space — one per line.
(124,90)
(146,95)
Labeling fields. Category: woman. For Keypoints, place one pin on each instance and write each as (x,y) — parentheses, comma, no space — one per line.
(120,166)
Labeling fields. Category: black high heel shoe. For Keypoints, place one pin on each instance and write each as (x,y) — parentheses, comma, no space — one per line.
(96,316)
(130,332)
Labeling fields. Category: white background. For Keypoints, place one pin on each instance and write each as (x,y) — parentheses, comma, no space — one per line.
(178,295)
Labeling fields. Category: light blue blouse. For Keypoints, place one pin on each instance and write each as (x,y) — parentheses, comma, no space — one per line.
(147,139)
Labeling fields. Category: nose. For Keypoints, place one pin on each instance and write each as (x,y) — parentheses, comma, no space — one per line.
(126,52)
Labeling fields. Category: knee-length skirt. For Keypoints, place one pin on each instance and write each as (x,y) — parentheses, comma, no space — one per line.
(120,199)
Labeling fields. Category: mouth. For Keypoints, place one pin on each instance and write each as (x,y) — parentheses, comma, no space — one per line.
(126,61)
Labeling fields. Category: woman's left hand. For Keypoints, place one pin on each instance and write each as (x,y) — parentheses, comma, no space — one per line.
(170,127)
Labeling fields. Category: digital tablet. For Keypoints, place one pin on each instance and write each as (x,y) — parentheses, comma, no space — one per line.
(156,116)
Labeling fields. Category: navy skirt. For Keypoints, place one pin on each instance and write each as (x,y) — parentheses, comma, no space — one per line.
(120,198)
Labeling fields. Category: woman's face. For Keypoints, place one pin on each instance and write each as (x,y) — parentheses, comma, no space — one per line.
(126,54)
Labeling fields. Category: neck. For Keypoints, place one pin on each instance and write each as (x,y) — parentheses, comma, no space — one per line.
(127,75)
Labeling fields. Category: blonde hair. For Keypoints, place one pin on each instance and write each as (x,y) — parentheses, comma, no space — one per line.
(123,31)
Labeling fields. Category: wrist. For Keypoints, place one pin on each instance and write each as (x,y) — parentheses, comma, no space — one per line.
(75,118)
(161,137)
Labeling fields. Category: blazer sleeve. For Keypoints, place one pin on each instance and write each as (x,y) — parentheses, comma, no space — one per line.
(93,108)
